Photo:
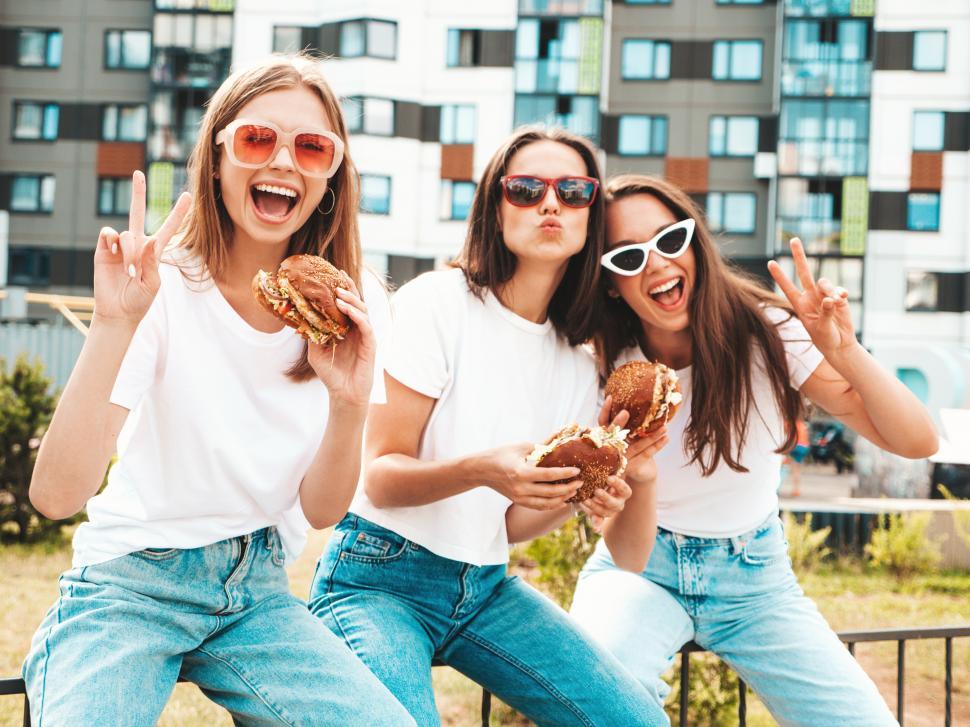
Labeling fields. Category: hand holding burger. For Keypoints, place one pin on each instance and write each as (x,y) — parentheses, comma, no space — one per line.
(599,453)
(303,293)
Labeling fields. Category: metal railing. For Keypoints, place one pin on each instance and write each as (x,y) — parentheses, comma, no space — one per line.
(850,638)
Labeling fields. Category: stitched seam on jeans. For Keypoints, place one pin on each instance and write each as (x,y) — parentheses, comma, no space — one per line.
(550,688)
(47,658)
(277,711)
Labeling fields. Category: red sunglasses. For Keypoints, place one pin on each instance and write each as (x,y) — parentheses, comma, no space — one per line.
(525,190)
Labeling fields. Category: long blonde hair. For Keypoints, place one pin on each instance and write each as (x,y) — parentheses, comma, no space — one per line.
(208,229)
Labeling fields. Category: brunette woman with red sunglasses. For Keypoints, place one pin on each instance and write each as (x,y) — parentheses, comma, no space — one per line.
(485,360)
(709,561)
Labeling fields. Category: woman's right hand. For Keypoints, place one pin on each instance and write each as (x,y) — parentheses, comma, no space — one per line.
(506,470)
(126,264)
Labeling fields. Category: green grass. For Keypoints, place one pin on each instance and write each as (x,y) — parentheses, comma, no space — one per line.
(850,597)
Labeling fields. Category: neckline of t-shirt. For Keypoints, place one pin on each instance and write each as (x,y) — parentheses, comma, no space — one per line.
(238,324)
(536,329)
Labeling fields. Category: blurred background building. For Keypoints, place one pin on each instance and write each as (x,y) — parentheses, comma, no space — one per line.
(843,122)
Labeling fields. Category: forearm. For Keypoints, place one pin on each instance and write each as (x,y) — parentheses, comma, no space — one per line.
(331,480)
(523,523)
(399,480)
(630,534)
(80,440)
(902,424)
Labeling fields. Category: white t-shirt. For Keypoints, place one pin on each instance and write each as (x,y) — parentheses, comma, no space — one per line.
(730,503)
(498,379)
(218,439)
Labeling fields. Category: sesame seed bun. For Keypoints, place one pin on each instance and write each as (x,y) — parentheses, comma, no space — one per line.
(649,391)
(598,453)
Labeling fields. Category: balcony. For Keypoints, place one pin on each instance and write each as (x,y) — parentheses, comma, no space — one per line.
(826,78)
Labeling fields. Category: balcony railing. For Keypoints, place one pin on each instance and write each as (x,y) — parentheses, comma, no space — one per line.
(850,638)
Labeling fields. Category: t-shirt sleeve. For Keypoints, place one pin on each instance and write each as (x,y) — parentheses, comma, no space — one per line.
(424,326)
(379,314)
(140,365)
(802,356)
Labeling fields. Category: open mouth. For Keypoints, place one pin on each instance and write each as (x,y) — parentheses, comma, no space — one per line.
(272,201)
(668,294)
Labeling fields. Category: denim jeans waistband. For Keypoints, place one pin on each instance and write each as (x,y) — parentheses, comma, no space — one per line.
(735,541)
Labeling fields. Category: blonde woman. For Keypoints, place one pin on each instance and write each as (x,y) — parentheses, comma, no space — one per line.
(231,435)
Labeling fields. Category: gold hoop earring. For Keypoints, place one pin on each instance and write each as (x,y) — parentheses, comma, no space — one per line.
(333,204)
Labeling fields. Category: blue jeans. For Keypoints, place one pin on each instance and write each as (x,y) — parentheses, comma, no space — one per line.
(111,648)
(401,607)
(738,598)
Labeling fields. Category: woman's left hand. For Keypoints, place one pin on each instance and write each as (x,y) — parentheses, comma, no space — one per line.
(346,367)
(606,502)
(821,307)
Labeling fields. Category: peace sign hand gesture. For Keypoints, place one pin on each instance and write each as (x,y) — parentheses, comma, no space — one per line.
(126,265)
(821,307)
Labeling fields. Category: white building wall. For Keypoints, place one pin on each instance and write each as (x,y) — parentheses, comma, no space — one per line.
(891,254)
(419,74)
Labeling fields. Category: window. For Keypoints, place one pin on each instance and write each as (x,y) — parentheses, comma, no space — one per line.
(369,115)
(33,120)
(127,49)
(464,48)
(578,114)
(547,57)
(39,48)
(32,193)
(642,135)
(736,60)
(373,38)
(821,137)
(733,136)
(922,291)
(929,50)
(287,38)
(457,124)
(456,199)
(114,196)
(375,194)
(928,130)
(645,60)
(923,211)
(826,58)
(124,123)
(30,266)
(732,212)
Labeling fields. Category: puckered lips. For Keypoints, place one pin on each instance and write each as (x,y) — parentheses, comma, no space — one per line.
(303,294)
(599,453)
(274,202)
(650,393)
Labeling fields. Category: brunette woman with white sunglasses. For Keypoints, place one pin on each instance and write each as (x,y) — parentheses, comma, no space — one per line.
(710,563)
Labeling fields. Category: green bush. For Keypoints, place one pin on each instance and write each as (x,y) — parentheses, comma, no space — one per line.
(806,547)
(26,408)
(560,555)
(961,518)
(712,692)
(900,544)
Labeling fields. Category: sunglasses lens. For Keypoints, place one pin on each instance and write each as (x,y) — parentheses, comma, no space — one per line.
(628,260)
(575,191)
(314,153)
(524,191)
(253,144)
(673,242)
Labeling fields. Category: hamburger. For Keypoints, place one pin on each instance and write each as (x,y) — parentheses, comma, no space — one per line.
(303,294)
(598,453)
(649,391)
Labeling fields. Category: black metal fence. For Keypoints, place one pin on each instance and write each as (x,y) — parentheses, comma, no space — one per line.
(850,638)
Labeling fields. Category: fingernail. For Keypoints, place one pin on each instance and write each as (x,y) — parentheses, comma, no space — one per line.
(114,248)
(131,271)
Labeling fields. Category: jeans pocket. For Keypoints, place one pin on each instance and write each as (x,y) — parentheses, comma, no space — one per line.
(766,547)
(373,546)
(157,553)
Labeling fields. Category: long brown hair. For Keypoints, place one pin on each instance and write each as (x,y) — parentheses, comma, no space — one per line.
(488,263)
(333,235)
(728,328)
